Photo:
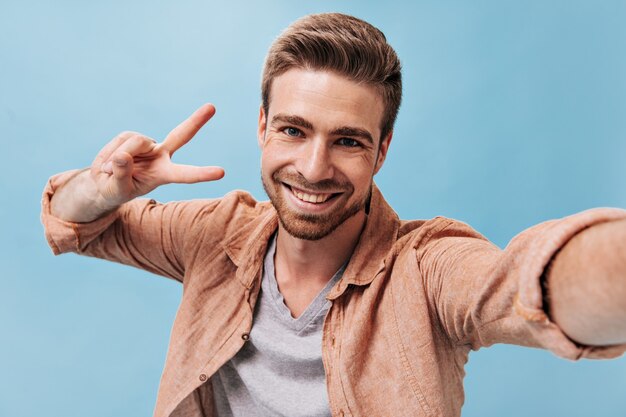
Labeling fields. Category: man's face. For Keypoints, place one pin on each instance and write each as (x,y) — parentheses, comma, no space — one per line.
(321,147)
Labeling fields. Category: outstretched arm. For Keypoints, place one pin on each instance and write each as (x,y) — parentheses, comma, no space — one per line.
(484,295)
(90,212)
(586,285)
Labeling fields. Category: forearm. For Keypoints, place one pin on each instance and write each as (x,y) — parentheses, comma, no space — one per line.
(587,285)
(79,201)
(142,233)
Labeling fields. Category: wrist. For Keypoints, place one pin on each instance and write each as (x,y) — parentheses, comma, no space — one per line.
(78,199)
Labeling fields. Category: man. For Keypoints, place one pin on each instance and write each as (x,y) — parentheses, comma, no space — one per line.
(323,302)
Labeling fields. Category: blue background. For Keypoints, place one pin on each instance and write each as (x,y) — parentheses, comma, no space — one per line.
(513,113)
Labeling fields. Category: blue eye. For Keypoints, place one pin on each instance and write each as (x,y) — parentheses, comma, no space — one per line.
(292,131)
(349,142)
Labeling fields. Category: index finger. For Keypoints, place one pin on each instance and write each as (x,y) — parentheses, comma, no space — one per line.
(187,129)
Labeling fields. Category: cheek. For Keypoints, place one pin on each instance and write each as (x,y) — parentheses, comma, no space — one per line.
(266,167)
(277,153)
(272,159)
(360,179)
(358,166)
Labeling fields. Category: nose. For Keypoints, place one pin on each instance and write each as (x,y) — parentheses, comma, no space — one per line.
(315,163)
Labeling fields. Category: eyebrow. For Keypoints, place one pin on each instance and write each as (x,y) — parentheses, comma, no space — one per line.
(354,132)
(294,120)
(340,131)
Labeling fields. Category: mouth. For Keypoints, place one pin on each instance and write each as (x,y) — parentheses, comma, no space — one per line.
(311,197)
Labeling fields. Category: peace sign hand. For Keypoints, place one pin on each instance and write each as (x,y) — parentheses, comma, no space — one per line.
(132,164)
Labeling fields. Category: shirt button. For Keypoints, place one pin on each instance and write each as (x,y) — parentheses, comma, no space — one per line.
(202,377)
(245,336)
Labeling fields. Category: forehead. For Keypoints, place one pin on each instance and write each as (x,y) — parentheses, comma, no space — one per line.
(327,100)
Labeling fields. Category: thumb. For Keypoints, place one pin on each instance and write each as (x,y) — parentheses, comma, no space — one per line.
(122,165)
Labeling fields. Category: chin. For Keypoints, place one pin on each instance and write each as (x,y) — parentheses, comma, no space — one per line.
(313,227)
(310,226)
(306,229)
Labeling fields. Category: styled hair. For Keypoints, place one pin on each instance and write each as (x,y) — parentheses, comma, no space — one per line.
(342,44)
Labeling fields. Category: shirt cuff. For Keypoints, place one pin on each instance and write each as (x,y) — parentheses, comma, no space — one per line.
(64,236)
(529,300)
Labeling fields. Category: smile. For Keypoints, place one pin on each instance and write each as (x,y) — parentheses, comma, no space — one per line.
(311,197)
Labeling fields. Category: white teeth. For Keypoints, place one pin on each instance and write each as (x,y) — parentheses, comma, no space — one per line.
(311,198)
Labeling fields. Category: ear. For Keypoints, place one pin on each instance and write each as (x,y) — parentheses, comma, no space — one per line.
(382,152)
(262,126)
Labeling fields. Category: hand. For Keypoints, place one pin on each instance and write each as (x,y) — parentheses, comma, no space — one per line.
(132,164)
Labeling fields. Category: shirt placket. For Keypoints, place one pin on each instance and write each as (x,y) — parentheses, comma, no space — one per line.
(331,348)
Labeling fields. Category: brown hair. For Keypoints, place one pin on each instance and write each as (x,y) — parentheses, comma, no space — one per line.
(343,44)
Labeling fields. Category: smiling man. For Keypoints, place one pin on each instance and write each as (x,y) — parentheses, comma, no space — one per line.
(322,302)
(319,151)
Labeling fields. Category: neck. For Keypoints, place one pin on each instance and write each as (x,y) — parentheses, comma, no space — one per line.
(316,261)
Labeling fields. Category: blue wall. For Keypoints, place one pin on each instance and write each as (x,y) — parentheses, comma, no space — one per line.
(514,112)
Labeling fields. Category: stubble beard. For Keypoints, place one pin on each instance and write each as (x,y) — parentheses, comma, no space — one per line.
(309,226)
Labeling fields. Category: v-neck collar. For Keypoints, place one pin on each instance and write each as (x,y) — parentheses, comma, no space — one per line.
(270,287)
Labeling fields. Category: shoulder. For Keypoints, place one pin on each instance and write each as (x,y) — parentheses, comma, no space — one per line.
(237,205)
(420,232)
(213,219)
(235,209)
(440,236)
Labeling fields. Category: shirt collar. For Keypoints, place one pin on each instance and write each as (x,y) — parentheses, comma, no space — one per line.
(375,243)
(247,247)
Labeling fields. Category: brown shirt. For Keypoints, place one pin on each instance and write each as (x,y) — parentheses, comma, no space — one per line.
(415,298)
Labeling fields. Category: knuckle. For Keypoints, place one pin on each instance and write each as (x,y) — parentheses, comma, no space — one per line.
(135,143)
(135,139)
(126,134)
(140,139)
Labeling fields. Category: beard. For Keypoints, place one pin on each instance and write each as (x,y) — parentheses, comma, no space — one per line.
(309,226)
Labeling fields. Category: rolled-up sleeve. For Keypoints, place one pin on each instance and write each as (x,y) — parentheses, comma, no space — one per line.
(64,236)
(141,233)
(484,295)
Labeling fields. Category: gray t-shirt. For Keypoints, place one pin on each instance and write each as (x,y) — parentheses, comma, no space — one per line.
(279,371)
